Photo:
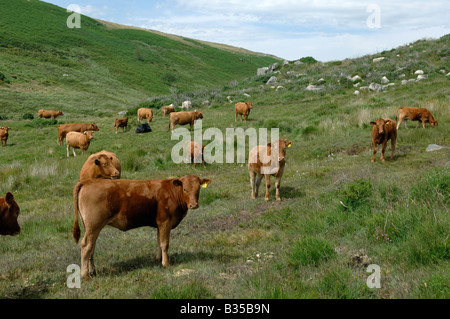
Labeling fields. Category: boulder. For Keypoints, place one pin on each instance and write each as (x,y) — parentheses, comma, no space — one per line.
(418,72)
(186,105)
(433,147)
(262,71)
(313,88)
(384,80)
(421,77)
(273,79)
(376,87)
(378,59)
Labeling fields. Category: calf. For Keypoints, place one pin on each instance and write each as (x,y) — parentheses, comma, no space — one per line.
(195,153)
(49,114)
(144,113)
(78,140)
(267,160)
(422,115)
(9,211)
(4,134)
(63,129)
(383,130)
(167,110)
(183,118)
(128,204)
(242,108)
(101,165)
(123,123)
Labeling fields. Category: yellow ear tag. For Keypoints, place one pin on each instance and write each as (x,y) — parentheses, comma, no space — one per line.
(204,185)
(289,145)
(387,122)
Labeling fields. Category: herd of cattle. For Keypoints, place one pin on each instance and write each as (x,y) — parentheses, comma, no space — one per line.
(101,198)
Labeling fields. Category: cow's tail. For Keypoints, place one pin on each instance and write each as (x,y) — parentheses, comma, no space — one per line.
(76,227)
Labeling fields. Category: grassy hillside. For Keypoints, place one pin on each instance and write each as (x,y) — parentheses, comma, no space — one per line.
(40,54)
(310,245)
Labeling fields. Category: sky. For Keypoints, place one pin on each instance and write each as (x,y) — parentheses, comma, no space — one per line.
(289,29)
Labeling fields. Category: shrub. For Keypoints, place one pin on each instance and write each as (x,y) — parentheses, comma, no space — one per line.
(308,59)
(356,194)
(27,116)
(39,123)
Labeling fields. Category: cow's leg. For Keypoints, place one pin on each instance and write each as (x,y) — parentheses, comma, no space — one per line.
(68,149)
(393,139)
(258,182)
(235,116)
(164,238)
(277,185)
(252,183)
(159,252)
(374,146)
(267,186)
(383,148)
(73,150)
(418,123)
(87,252)
(406,125)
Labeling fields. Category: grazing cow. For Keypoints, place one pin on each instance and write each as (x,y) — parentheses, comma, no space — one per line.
(4,134)
(63,129)
(195,153)
(101,165)
(49,114)
(9,211)
(422,115)
(183,118)
(128,204)
(242,108)
(383,130)
(123,123)
(78,140)
(167,110)
(144,113)
(267,160)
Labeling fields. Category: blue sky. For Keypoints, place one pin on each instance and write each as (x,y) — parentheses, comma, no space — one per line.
(289,29)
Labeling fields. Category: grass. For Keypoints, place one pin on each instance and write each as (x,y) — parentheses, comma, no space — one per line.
(232,246)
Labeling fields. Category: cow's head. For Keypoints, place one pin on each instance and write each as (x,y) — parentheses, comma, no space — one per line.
(191,188)
(250,104)
(199,114)
(106,168)
(280,147)
(379,124)
(5,129)
(89,134)
(433,122)
(60,113)
(93,127)
(9,211)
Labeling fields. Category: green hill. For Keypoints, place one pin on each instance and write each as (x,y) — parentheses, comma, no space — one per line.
(39,51)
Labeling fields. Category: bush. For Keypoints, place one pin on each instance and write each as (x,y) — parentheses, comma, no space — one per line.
(40,123)
(356,194)
(308,59)
(27,116)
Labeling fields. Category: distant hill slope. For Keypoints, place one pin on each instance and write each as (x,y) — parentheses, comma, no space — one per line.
(148,62)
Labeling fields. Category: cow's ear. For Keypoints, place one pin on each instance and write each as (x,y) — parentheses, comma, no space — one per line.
(289,144)
(84,132)
(97,162)
(177,182)
(205,182)
(9,198)
(387,122)
(373,123)
(269,144)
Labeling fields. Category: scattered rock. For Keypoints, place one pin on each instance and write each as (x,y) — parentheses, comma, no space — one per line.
(356,92)
(280,87)
(447,74)
(298,62)
(376,87)
(273,67)
(421,77)
(314,88)
(321,81)
(356,78)
(384,80)
(206,103)
(378,59)
(285,62)
(401,76)
(183,272)
(247,95)
(273,79)
(418,72)
(122,112)
(433,147)
(229,99)
(186,105)
(262,71)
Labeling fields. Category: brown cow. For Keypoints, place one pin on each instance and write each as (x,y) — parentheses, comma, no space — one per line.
(4,134)
(49,114)
(267,160)
(167,110)
(9,211)
(128,204)
(195,153)
(242,108)
(78,140)
(383,130)
(63,129)
(416,114)
(101,165)
(183,118)
(144,113)
(123,123)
